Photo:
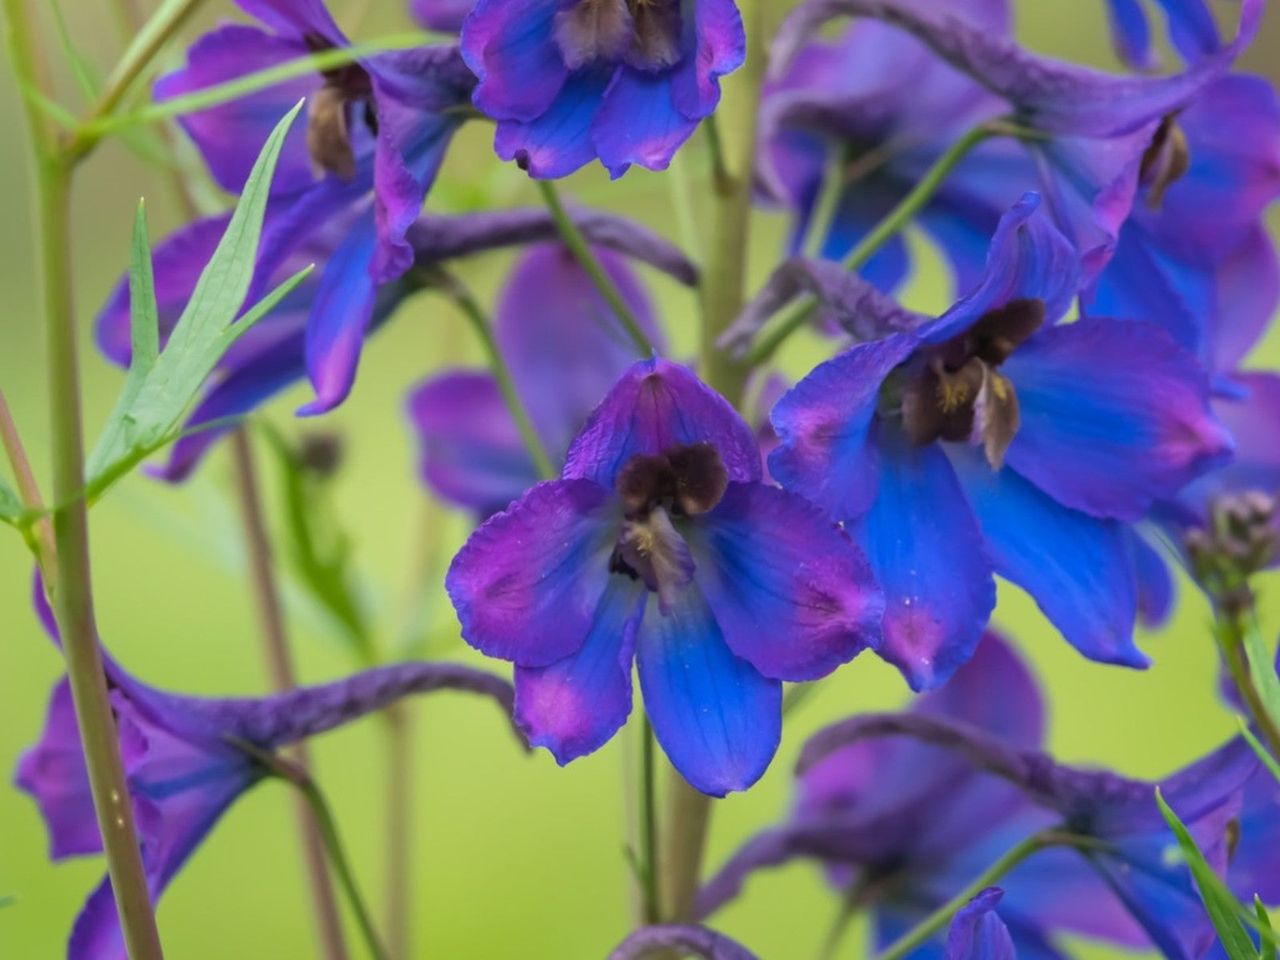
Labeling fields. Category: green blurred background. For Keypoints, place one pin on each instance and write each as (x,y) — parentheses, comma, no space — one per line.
(513,856)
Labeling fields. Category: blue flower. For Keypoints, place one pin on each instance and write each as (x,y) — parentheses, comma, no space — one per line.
(660,544)
(996,439)
(622,80)
(1191,28)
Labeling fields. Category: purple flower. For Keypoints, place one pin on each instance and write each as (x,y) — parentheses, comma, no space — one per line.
(695,941)
(622,80)
(184,767)
(444,15)
(1191,28)
(273,355)
(661,494)
(978,933)
(471,452)
(995,439)
(1097,128)
(909,808)
(357,175)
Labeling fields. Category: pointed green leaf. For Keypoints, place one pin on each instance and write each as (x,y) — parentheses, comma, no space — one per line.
(1224,910)
(10,506)
(162,385)
(1268,951)
(1262,668)
(1263,753)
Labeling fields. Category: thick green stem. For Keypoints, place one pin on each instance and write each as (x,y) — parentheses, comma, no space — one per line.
(684,840)
(280,667)
(932,924)
(652,912)
(498,366)
(574,239)
(893,224)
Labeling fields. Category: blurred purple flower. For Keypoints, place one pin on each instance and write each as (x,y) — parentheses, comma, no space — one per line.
(184,767)
(444,15)
(996,439)
(978,933)
(1191,28)
(565,349)
(661,493)
(626,81)
(273,355)
(909,808)
(1098,127)
(686,940)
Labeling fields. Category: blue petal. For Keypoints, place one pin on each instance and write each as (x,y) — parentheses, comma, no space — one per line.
(558,141)
(978,933)
(928,556)
(1131,33)
(638,123)
(1076,567)
(718,720)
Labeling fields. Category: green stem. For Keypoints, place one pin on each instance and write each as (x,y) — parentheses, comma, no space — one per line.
(649,821)
(934,923)
(849,905)
(461,296)
(574,239)
(1232,622)
(39,533)
(684,840)
(399,830)
(886,229)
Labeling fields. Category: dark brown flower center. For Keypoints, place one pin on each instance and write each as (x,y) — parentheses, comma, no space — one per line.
(1165,162)
(956,391)
(683,481)
(347,92)
(643,33)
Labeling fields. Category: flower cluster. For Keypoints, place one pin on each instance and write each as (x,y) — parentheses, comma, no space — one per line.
(1083,418)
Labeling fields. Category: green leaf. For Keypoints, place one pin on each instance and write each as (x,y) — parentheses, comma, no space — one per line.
(10,505)
(1263,753)
(1261,667)
(1264,926)
(162,385)
(1224,910)
(80,67)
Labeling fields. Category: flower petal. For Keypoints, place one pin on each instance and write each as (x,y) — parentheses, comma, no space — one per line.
(791,594)
(1076,567)
(296,18)
(1154,581)
(721,48)
(978,933)
(526,585)
(823,423)
(698,941)
(656,405)
(470,452)
(557,141)
(928,556)
(510,47)
(443,15)
(1115,415)
(575,705)
(638,122)
(716,717)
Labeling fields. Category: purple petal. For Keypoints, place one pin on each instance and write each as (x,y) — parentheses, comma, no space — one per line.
(556,141)
(575,705)
(1115,415)
(654,406)
(1247,292)
(339,318)
(231,134)
(699,941)
(721,48)
(1254,422)
(443,15)
(978,933)
(97,934)
(471,453)
(1016,715)
(718,720)
(1076,567)
(1191,27)
(928,556)
(638,122)
(54,774)
(527,584)
(510,47)
(1253,868)
(549,301)
(1154,582)
(823,423)
(792,596)
(296,18)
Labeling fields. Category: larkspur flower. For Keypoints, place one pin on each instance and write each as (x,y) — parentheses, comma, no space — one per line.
(273,356)
(625,81)
(185,765)
(1092,132)
(472,454)
(1191,29)
(978,933)
(997,439)
(376,134)
(911,807)
(661,494)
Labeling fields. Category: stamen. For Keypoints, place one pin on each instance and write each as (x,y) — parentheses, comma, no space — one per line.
(657,30)
(1166,161)
(997,417)
(328,139)
(593,30)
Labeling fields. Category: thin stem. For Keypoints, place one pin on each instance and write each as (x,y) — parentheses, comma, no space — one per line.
(498,366)
(723,288)
(1231,624)
(933,923)
(280,669)
(574,239)
(649,822)
(849,906)
(399,830)
(886,229)
(150,40)
(41,530)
